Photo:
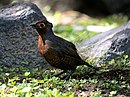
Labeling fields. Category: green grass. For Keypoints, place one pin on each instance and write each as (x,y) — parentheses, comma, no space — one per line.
(35,81)
(77,31)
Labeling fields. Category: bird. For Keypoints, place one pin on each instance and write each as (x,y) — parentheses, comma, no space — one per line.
(58,52)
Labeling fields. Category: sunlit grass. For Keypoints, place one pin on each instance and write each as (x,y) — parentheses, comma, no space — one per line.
(74,26)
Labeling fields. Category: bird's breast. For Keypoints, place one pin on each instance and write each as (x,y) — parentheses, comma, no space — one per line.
(41,45)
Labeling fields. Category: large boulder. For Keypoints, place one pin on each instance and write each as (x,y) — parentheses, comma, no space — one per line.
(18,40)
(98,8)
(94,8)
(108,45)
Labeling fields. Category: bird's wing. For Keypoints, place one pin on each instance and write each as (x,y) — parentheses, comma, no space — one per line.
(67,48)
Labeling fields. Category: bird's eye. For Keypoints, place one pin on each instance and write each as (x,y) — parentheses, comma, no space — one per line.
(42,25)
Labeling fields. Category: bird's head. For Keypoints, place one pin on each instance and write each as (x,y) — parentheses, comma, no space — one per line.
(42,26)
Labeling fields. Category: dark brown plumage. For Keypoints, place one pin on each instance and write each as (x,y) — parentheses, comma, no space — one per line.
(58,52)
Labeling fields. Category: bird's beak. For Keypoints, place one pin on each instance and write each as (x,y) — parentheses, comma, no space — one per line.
(32,24)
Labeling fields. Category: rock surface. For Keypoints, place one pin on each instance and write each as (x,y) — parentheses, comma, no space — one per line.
(18,40)
(94,8)
(109,45)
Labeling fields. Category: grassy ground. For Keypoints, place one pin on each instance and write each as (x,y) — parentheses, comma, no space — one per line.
(29,81)
(36,81)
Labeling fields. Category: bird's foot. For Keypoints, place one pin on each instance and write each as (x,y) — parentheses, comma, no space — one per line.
(68,76)
(56,75)
(65,78)
(96,68)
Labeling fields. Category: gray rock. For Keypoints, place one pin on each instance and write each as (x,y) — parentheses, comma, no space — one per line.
(18,40)
(109,45)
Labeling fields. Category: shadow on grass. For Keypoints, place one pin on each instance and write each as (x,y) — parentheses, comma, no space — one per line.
(111,80)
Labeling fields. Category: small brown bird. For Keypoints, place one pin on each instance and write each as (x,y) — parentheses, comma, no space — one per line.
(58,52)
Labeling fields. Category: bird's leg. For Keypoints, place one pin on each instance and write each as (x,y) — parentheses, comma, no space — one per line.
(91,66)
(68,76)
(56,75)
